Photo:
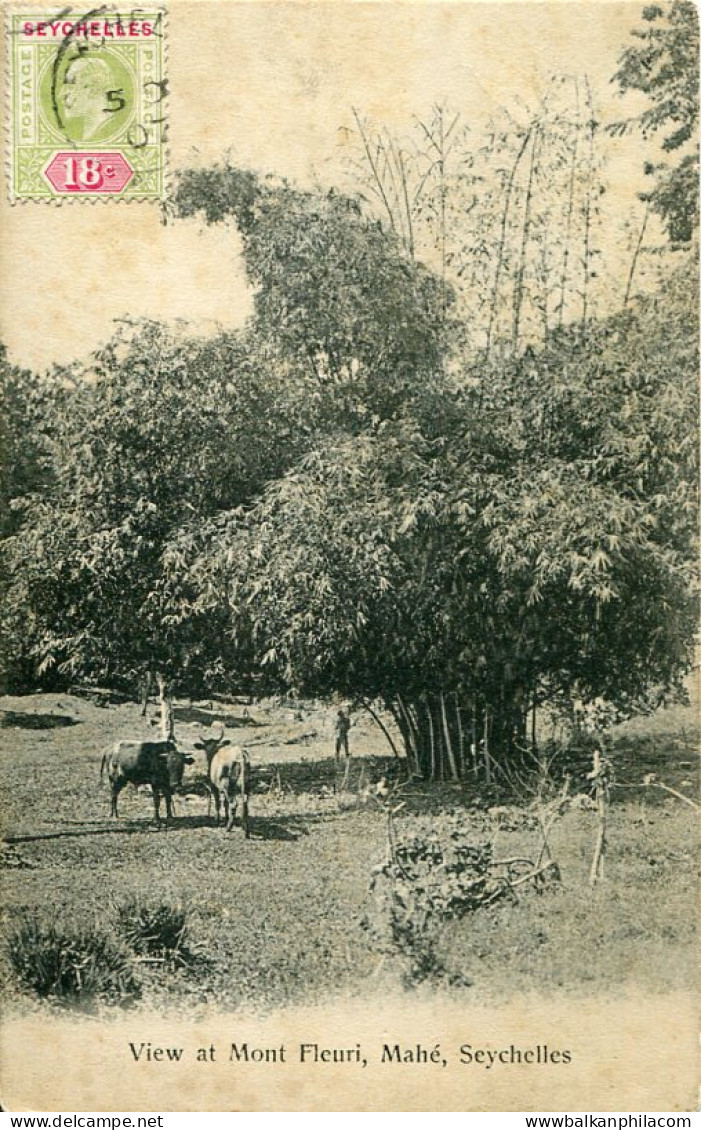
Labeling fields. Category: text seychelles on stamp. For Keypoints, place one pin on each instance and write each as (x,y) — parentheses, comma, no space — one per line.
(87,104)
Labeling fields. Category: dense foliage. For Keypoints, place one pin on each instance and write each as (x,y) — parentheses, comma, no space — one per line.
(664,65)
(346,498)
(160,431)
(511,536)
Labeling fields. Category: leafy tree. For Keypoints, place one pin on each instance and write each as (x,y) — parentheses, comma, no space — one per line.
(162,433)
(24,463)
(25,470)
(591,517)
(664,65)
(324,499)
(161,430)
(488,545)
(353,321)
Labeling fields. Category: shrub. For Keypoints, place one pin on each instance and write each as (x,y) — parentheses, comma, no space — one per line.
(67,963)
(432,873)
(437,870)
(156,932)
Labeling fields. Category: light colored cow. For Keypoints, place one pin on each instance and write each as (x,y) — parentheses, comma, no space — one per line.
(228,777)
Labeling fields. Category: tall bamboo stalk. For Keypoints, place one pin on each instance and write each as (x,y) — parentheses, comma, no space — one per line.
(494,304)
(379,184)
(473,744)
(461,737)
(438,136)
(598,775)
(441,190)
(570,203)
(448,744)
(412,732)
(431,739)
(387,150)
(404,182)
(636,254)
(587,207)
(525,235)
(378,721)
(544,294)
(487,759)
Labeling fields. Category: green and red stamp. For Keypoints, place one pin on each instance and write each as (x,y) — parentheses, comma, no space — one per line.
(88,102)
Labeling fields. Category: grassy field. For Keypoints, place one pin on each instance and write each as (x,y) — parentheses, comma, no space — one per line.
(278,919)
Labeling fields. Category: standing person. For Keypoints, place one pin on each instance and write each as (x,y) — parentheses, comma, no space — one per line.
(341,728)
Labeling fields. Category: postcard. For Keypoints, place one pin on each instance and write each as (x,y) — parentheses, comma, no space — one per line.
(348,560)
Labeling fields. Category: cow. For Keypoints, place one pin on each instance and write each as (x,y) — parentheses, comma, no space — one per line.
(158,764)
(209,746)
(228,775)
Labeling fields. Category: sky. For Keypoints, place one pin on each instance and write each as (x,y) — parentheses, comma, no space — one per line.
(273,86)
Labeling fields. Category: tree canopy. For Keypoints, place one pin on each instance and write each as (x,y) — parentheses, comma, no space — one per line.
(346,497)
(160,431)
(498,544)
(664,65)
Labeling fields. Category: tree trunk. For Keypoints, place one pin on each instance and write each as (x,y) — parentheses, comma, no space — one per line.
(473,744)
(377,178)
(461,739)
(436,742)
(448,742)
(166,707)
(435,763)
(410,734)
(146,692)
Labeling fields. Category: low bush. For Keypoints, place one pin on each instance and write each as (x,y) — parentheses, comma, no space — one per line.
(436,870)
(156,932)
(70,964)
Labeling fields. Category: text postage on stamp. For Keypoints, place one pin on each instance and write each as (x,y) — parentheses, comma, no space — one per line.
(88,98)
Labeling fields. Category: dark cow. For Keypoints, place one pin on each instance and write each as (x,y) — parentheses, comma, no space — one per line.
(228,776)
(158,764)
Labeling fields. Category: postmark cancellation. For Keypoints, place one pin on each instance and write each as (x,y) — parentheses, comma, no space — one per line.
(87,104)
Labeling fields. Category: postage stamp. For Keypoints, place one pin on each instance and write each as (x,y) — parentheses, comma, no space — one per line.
(87,106)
